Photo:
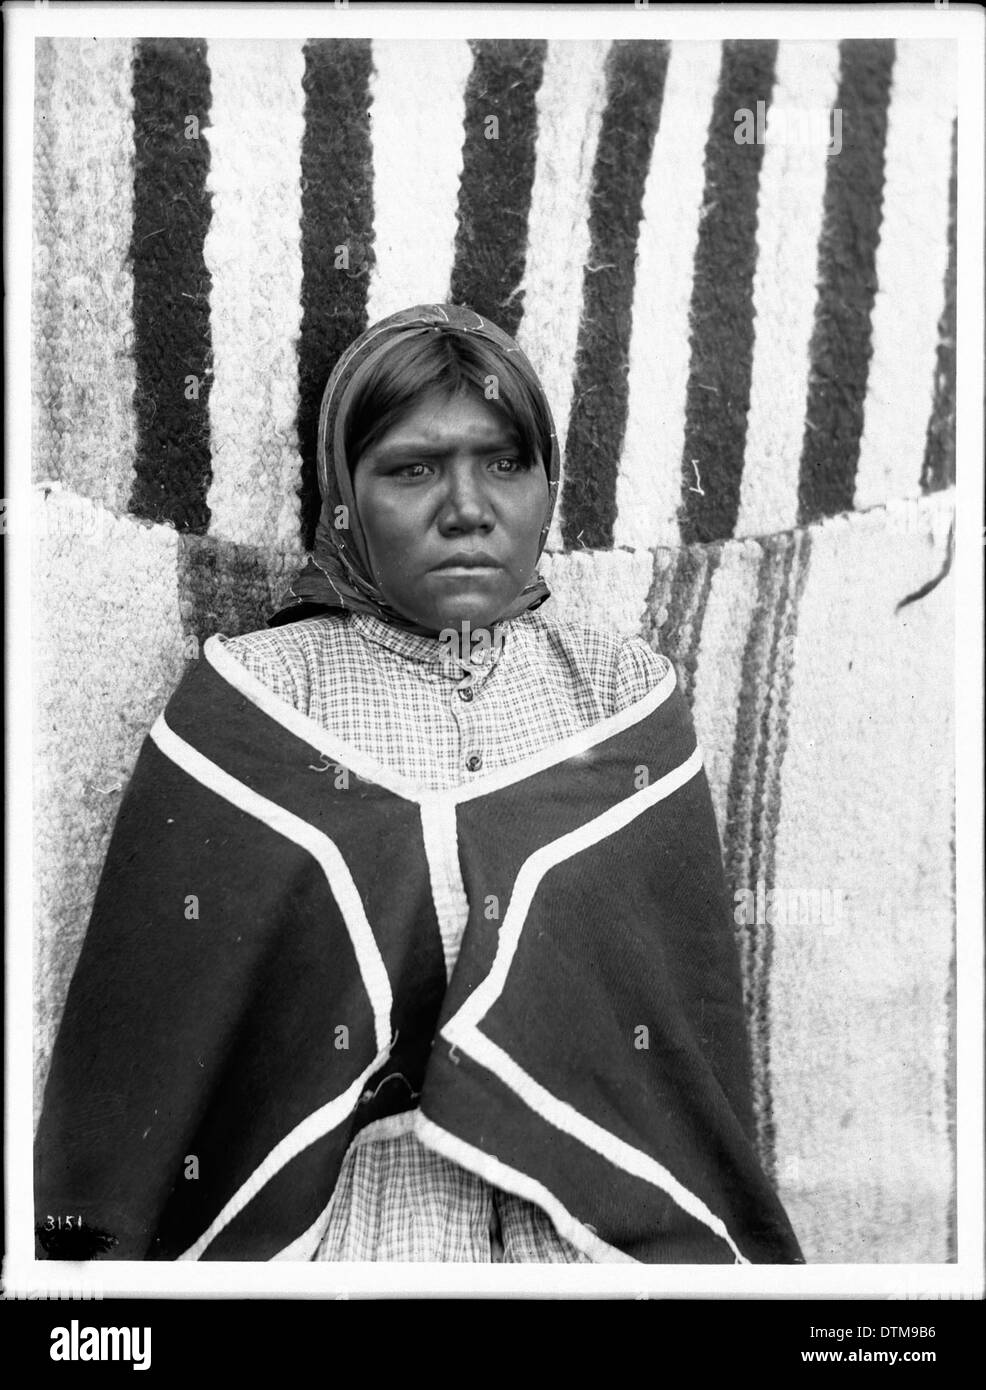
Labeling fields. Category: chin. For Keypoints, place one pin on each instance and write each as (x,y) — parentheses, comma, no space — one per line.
(478,609)
(477,615)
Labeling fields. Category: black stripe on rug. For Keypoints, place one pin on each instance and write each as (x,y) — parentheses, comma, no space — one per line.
(938,469)
(721,315)
(635,75)
(790,555)
(336,232)
(498,160)
(743,839)
(172,336)
(841,344)
(676,604)
(228,587)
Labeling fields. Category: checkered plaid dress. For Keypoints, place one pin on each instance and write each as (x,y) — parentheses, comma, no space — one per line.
(407,702)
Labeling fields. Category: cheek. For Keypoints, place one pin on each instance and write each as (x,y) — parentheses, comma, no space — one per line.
(391,532)
(532,515)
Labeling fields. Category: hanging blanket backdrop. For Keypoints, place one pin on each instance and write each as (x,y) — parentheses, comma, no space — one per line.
(749,346)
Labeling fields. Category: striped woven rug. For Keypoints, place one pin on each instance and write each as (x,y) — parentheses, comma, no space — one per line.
(734,266)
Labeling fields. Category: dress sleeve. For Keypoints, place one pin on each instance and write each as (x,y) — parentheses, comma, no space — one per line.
(638,670)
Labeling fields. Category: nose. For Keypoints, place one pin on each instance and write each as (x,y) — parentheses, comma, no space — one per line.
(465,505)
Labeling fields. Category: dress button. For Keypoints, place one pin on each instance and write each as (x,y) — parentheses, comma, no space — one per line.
(466,693)
(474,762)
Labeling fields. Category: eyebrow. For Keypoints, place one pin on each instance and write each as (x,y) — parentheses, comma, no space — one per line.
(409,450)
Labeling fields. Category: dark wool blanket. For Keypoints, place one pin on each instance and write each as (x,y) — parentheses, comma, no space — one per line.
(264,976)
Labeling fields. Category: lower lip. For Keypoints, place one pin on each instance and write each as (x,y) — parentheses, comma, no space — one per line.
(468,571)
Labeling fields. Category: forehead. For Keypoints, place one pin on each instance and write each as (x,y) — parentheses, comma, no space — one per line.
(439,421)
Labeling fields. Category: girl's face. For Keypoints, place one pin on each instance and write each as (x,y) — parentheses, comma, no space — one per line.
(452,512)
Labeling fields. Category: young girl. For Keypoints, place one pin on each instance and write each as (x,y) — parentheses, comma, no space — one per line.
(462,985)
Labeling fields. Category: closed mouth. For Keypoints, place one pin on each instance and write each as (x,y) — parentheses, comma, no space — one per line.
(458,564)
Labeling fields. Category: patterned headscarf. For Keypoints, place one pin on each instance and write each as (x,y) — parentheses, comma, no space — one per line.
(337,574)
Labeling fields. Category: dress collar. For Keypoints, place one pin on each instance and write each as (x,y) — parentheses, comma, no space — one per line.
(431,657)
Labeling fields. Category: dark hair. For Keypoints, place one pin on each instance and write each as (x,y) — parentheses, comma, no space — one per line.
(447,361)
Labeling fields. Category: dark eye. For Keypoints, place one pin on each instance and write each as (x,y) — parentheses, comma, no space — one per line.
(410,470)
(514,465)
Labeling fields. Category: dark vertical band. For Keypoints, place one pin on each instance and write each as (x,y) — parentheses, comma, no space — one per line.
(172,338)
(778,679)
(676,607)
(635,74)
(841,344)
(498,160)
(938,470)
(229,587)
(722,331)
(753,798)
(336,231)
